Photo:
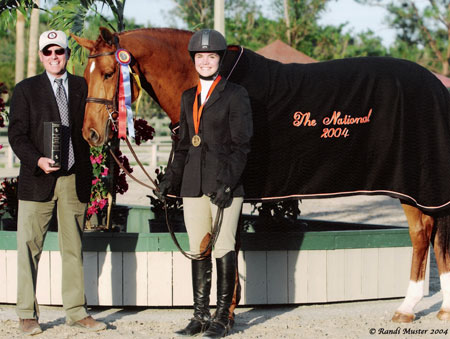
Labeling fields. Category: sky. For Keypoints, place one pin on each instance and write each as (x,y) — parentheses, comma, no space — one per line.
(359,18)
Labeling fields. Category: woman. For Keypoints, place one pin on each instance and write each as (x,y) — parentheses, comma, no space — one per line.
(215,131)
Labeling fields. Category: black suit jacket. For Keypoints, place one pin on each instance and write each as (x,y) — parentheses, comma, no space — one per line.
(33,103)
(225,129)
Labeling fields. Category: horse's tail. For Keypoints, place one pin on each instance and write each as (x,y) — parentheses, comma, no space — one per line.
(443,230)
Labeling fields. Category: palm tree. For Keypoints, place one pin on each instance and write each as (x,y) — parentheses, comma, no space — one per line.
(20,46)
(68,15)
(33,42)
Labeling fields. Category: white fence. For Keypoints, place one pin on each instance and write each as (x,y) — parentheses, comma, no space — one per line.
(7,157)
(152,153)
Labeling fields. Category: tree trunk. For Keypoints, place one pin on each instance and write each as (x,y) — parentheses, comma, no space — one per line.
(33,43)
(287,21)
(20,47)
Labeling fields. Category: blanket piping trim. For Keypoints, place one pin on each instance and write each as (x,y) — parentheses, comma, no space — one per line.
(392,194)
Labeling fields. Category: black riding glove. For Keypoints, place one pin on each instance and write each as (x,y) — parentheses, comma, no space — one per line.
(164,188)
(223,197)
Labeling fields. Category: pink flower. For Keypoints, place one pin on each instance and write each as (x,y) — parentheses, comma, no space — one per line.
(99,159)
(1,146)
(105,172)
(92,159)
(96,180)
(102,203)
(91,210)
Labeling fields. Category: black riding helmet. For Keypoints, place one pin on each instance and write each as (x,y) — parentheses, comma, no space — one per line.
(208,40)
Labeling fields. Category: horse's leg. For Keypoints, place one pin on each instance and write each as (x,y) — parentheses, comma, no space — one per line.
(443,264)
(420,229)
(237,284)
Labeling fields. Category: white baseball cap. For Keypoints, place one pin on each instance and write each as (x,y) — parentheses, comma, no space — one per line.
(53,38)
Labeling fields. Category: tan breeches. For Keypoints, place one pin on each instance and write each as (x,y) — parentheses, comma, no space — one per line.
(199,216)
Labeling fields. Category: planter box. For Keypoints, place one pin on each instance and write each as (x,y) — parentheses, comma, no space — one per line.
(317,262)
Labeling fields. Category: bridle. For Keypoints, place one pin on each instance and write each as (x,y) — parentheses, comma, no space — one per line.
(110,105)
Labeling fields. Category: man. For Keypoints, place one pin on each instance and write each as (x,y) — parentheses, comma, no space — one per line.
(52,96)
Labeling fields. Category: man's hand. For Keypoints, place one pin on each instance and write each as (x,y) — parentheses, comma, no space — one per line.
(45,164)
(223,197)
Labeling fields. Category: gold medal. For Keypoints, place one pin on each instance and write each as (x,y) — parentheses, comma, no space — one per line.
(196,140)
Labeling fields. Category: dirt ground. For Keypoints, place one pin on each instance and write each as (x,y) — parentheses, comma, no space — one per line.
(364,319)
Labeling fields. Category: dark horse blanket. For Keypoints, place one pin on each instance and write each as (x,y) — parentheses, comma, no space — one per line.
(352,126)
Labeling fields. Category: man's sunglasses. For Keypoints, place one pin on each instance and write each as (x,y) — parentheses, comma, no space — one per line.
(59,51)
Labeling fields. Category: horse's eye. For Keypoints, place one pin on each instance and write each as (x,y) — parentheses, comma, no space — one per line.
(108,75)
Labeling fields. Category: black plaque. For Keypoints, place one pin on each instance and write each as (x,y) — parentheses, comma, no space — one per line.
(52,142)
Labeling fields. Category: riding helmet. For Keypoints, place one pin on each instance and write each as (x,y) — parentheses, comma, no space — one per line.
(207,40)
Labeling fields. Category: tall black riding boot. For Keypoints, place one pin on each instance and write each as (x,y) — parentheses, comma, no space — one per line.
(226,278)
(201,285)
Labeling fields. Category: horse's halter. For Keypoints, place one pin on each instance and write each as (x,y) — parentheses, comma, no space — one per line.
(110,105)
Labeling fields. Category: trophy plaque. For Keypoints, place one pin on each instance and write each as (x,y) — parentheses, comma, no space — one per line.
(52,142)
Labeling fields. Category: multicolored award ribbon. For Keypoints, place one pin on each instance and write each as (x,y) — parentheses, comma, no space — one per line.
(123,57)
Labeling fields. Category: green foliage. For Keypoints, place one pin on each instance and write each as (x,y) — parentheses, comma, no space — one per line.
(73,16)
(8,11)
(245,25)
(422,31)
(322,42)
(197,14)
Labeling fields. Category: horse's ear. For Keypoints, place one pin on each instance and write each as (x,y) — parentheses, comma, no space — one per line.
(106,35)
(86,43)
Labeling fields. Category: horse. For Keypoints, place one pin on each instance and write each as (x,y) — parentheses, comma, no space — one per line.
(363,123)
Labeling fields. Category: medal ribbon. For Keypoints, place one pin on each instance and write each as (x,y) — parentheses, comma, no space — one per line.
(196,112)
(125,111)
(122,110)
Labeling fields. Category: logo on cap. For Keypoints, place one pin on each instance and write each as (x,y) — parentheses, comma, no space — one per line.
(52,35)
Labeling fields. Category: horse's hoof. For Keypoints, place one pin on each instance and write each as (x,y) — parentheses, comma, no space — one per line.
(403,317)
(443,315)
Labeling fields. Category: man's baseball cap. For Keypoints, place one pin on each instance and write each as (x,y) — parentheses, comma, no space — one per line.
(53,38)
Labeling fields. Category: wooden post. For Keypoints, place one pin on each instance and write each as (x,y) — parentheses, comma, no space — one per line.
(219,16)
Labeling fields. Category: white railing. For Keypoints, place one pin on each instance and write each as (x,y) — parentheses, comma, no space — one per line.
(152,153)
(7,157)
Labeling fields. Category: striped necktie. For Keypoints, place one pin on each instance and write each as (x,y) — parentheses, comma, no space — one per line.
(67,156)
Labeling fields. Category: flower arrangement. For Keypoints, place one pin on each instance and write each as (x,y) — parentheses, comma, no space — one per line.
(174,205)
(143,131)
(102,174)
(98,191)
(8,197)
(3,112)
(281,209)
(273,216)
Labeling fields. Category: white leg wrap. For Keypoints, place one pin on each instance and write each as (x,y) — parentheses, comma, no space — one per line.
(445,287)
(413,295)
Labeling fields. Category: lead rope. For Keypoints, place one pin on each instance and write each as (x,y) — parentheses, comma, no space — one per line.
(217,222)
(212,241)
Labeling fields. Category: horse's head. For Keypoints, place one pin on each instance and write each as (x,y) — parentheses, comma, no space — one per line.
(102,77)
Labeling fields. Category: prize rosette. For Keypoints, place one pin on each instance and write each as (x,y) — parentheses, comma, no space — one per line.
(123,57)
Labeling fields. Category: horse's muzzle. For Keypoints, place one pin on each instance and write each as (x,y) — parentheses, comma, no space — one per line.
(93,136)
